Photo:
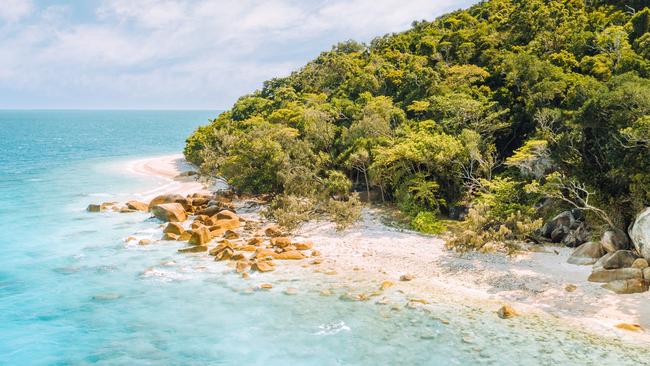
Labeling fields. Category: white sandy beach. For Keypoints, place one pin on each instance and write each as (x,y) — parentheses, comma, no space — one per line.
(371,252)
(167,169)
(532,282)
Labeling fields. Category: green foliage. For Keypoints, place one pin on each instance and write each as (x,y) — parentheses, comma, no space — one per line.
(466,109)
(290,211)
(505,197)
(344,213)
(428,222)
(532,159)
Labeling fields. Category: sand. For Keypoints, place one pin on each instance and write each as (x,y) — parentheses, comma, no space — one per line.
(167,170)
(372,252)
(529,281)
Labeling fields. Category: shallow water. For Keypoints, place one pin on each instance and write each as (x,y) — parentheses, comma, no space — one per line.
(73,292)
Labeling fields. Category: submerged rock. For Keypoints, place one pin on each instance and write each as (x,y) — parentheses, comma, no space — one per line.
(185,236)
(106,205)
(242,266)
(587,253)
(194,249)
(640,233)
(291,291)
(406,277)
(109,296)
(170,236)
(93,207)
(137,205)
(170,212)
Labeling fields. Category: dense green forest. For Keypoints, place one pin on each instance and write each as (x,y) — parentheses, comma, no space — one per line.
(514,108)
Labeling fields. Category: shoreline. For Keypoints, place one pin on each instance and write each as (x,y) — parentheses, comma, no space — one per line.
(531,282)
(167,170)
(370,252)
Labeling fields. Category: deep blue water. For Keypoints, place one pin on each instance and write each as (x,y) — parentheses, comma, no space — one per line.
(72,292)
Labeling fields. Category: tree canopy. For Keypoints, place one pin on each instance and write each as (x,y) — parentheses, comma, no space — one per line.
(476,102)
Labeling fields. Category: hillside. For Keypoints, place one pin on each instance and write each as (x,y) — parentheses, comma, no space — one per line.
(516,109)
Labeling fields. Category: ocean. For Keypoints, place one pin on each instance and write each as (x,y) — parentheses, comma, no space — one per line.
(72,292)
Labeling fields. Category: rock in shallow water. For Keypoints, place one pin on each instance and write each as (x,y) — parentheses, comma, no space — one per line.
(174,228)
(93,207)
(262,266)
(170,236)
(167,198)
(200,236)
(137,205)
(109,296)
(194,249)
(173,212)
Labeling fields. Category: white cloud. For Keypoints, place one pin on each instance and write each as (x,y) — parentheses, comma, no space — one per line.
(13,10)
(181,53)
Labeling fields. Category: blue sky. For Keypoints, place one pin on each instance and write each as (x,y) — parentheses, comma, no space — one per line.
(176,54)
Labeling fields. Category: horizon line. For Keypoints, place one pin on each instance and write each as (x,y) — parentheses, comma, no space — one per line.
(114,109)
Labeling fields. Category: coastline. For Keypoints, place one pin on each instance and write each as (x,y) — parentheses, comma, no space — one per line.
(167,170)
(371,252)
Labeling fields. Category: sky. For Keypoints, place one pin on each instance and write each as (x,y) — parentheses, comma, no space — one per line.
(176,54)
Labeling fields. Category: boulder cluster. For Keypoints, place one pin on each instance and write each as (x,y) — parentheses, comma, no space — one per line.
(209,223)
(619,260)
(567,228)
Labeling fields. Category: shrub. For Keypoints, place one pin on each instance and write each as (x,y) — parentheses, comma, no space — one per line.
(481,231)
(290,211)
(344,213)
(427,222)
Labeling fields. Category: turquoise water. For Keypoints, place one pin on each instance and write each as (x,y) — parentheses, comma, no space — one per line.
(73,293)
